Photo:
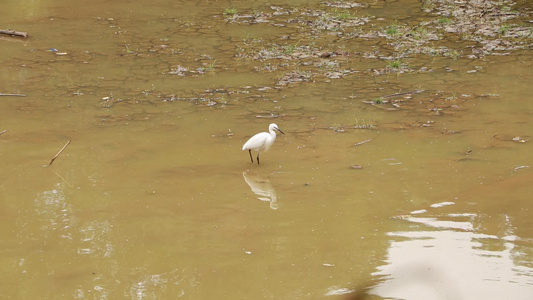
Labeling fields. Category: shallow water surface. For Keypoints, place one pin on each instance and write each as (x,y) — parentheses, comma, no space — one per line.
(423,196)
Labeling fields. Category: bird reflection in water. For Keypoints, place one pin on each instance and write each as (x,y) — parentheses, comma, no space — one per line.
(262,188)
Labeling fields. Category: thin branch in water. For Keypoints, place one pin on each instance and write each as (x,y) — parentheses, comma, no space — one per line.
(268,116)
(401,94)
(4,132)
(59,153)
(363,142)
(15,95)
(14,33)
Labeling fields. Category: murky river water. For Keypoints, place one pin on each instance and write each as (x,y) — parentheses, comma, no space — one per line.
(371,192)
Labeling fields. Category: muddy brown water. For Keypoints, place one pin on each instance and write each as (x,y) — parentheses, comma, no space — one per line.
(428,197)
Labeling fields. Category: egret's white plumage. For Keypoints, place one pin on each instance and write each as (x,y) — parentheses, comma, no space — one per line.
(261,141)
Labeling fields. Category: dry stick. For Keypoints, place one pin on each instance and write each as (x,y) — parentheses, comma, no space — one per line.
(270,116)
(4,132)
(360,143)
(14,33)
(401,94)
(59,153)
(16,95)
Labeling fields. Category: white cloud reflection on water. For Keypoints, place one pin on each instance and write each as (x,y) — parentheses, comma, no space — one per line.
(448,259)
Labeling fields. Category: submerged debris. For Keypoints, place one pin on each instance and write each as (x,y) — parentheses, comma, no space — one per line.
(294,77)
(335,41)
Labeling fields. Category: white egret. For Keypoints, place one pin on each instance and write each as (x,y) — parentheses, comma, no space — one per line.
(261,141)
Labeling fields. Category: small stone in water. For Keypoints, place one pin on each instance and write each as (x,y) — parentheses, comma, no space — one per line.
(356,167)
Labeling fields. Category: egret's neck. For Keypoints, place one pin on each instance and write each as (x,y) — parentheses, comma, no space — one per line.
(273,133)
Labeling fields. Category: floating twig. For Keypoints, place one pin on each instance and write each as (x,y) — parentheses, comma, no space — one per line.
(520,167)
(14,33)
(268,116)
(4,132)
(401,94)
(15,95)
(59,153)
(363,142)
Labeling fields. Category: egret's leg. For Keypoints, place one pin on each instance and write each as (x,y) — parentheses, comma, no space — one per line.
(257,158)
(250,151)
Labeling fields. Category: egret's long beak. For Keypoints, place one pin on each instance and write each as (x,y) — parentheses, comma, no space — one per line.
(279,130)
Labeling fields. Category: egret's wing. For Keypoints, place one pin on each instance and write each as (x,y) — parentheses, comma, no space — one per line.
(256,142)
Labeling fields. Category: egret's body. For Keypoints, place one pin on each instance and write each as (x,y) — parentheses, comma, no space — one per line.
(261,141)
